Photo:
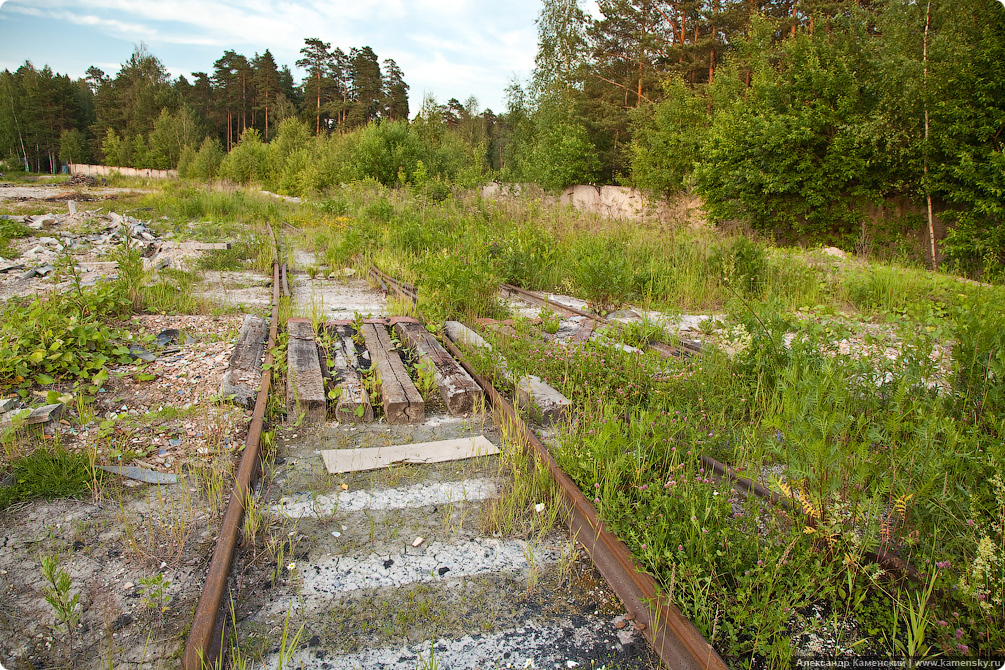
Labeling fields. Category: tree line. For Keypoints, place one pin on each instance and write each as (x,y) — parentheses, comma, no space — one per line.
(143,118)
(799,118)
(807,120)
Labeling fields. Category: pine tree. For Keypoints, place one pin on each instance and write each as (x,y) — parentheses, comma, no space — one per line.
(395,91)
(317,61)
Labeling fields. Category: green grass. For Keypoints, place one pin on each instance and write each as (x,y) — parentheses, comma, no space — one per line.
(10,230)
(48,472)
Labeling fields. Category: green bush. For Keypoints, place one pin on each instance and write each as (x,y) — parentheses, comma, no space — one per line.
(601,273)
(457,285)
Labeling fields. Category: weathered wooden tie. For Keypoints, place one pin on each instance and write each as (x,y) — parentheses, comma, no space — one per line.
(244,373)
(459,391)
(532,392)
(402,401)
(305,388)
(353,403)
(536,395)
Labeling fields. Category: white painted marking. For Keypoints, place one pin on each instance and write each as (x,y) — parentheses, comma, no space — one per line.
(339,574)
(417,495)
(560,644)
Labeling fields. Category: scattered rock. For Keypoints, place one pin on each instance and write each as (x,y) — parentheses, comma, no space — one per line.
(834,252)
(81,180)
(122,621)
(142,354)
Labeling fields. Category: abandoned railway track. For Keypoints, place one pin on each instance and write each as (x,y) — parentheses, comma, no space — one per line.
(386,567)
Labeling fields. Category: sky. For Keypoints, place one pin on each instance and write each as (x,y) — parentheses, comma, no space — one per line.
(449,48)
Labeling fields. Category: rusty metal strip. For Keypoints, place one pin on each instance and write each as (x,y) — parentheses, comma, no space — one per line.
(203,648)
(674,638)
(390,283)
(744,485)
(747,486)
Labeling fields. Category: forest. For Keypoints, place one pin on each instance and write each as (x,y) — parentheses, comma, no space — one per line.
(797,119)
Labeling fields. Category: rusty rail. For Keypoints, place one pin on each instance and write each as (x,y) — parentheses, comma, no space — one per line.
(390,283)
(686,347)
(204,647)
(673,637)
(747,487)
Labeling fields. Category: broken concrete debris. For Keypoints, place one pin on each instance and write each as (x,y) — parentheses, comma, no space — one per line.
(141,474)
(533,392)
(105,233)
(46,416)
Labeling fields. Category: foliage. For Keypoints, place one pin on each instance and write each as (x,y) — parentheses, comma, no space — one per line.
(57,593)
(602,274)
(789,157)
(668,139)
(48,472)
(10,230)
(457,284)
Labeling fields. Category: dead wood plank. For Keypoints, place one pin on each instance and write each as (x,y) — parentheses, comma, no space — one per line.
(402,402)
(459,391)
(240,381)
(352,395)
(357,460)
(305,388)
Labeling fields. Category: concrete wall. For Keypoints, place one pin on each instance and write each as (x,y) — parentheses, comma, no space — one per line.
(105,170)
(616,202)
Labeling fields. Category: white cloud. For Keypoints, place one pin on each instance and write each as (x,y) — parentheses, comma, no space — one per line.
(454,47)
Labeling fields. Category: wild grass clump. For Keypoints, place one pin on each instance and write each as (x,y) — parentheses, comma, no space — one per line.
(49,472)
(10,230)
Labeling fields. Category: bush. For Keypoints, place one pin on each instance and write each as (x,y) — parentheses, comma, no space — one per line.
(601,273)
(248,161)
(457,285)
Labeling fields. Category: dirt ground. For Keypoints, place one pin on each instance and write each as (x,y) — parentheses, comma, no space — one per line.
(136,554)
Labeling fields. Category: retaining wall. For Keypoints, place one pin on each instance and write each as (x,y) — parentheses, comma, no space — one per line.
(106,170)
(617,202)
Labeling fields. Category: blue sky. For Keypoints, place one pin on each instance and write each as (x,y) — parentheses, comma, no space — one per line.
(450,48)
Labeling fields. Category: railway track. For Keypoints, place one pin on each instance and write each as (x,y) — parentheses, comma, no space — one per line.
(409,566)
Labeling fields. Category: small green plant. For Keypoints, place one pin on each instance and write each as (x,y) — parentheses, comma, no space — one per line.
(287,644)
(9,230)
(431,663)
(57,593)
(153,590)
(550,321)
(642,333)
(425,373)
